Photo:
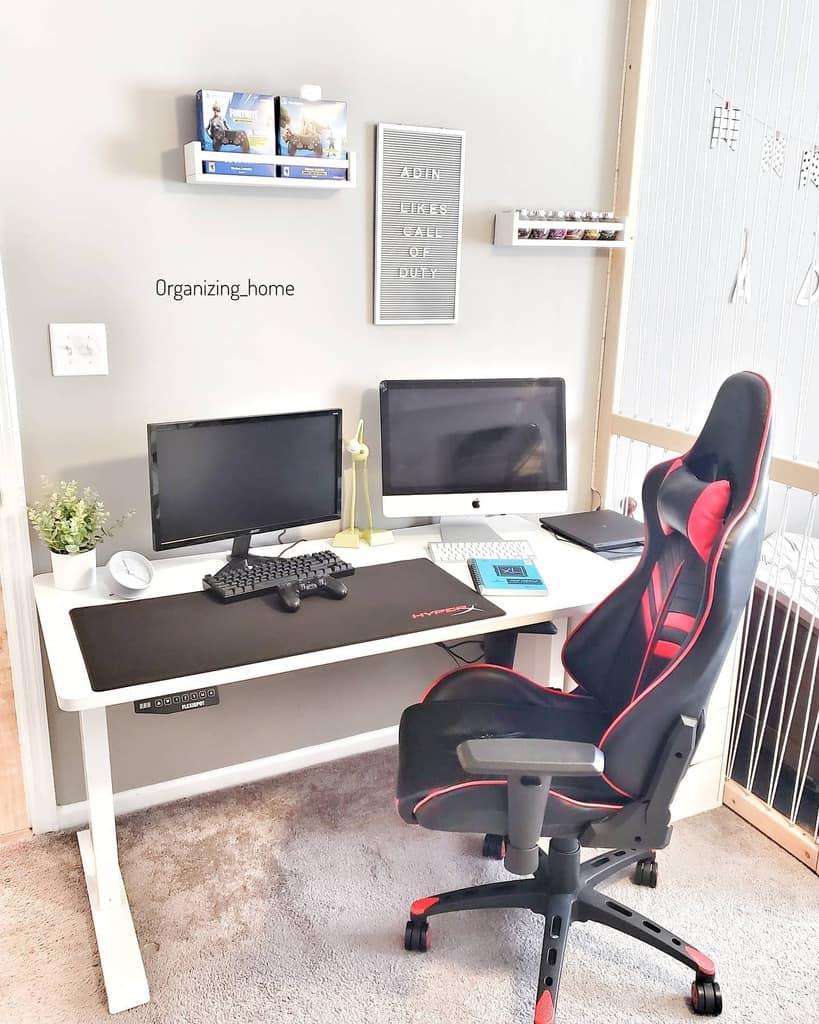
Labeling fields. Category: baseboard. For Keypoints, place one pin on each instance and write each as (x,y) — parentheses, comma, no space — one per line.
(71,816)
(8,838)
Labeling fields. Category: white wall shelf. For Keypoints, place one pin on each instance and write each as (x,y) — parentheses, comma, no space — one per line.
(195,173)
(507,223)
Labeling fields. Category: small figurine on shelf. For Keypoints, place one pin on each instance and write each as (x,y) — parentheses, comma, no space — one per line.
(351,537)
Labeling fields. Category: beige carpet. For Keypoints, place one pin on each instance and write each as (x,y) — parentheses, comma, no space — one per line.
(286,901)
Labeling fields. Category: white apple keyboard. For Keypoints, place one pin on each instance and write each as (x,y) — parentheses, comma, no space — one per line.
(446,551)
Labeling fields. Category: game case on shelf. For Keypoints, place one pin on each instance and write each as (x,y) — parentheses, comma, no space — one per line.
(311,129)
(236,122)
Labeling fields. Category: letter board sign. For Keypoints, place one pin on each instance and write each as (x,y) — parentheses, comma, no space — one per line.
(418,211)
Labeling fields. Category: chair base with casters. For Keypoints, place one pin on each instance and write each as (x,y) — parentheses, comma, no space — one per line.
(564,891)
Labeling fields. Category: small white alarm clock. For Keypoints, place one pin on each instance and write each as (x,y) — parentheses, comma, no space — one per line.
(130,573)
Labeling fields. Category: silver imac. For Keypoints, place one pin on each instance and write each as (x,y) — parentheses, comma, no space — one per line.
(464,449)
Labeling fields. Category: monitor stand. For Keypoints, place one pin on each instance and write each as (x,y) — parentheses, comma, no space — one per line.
(240,555)
(466,529)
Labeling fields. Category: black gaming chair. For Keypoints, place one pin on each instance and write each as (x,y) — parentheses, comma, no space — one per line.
(489,751)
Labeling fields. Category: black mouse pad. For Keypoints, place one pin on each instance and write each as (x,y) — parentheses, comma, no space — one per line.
(157,638)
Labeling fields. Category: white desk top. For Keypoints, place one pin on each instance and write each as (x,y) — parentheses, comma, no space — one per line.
(577,579)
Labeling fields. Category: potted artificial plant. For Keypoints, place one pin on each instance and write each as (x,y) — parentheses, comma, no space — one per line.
(71,525)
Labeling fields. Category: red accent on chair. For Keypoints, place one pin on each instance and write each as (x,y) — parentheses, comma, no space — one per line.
(542,687)
(504,782)
(545,1009)
(615,787)
(662,605)
(707,517)
(679,620)
(459,785)
(440,678)
(666,649)
(420,907)
(583,803)
(646,607)
(704,963)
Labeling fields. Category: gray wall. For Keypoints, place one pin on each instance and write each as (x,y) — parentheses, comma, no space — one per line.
(93,209)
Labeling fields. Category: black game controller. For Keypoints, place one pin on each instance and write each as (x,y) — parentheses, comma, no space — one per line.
(229,137)
(328,586)
(309,139)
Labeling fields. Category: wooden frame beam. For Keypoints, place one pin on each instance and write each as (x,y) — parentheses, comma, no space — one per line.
(13,811)
(636,72)
(773,824)
(790,472)
(18,602)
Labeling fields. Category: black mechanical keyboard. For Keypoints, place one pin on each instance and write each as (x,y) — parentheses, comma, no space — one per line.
(318,572)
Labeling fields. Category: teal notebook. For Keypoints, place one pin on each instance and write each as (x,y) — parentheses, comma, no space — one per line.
(502,577)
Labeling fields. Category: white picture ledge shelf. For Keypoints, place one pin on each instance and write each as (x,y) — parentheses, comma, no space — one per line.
(195,175)
(507,223)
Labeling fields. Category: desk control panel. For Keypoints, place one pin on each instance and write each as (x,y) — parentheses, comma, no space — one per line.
(185,700)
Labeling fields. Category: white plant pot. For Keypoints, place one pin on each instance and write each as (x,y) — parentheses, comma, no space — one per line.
(74,572)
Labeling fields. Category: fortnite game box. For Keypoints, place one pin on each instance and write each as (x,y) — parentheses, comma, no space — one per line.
(312,129)
(236,122)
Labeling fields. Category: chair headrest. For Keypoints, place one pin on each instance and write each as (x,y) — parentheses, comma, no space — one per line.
(693,507)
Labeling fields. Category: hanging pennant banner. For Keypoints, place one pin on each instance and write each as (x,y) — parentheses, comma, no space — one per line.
(418,212)
(809,168)
(725,126)
(809,292)
(742,284)
(773,154)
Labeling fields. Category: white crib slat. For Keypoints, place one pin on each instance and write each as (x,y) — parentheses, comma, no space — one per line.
(756,736)
(792,613)
(782,738)
(806,749)
(748,660)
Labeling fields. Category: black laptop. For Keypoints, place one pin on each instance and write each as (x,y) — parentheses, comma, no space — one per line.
(597,531)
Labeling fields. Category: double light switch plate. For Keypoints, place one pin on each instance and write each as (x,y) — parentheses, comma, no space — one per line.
(78,349)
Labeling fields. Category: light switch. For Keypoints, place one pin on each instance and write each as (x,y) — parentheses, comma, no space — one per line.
(78,349)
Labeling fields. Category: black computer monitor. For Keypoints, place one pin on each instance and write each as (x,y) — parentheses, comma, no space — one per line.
(461,449)
(215,479)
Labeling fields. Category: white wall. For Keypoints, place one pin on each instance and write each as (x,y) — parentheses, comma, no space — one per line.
(98,100)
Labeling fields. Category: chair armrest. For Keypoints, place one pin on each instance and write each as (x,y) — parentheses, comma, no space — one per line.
(502,756)
(529,765)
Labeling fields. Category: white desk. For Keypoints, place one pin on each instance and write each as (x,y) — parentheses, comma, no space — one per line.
(576,579)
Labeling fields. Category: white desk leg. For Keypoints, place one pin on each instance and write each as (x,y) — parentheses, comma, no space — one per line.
(568,625)
(120,958)
(538,656)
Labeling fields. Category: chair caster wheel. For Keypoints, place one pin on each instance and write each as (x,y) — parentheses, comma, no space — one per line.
(646,872)
(706,998)
(494,847)
(416,936)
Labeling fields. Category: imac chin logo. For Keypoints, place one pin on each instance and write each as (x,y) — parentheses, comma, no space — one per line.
(476,503)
